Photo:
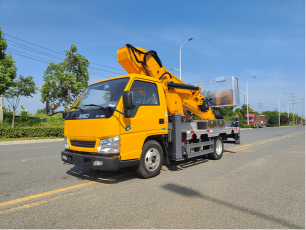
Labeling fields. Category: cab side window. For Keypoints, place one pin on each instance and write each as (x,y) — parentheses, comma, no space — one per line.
(143,94)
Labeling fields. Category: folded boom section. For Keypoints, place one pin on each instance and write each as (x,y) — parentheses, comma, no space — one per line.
(179,95)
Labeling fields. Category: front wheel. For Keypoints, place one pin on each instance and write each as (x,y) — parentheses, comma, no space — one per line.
(218,149)
(151,160)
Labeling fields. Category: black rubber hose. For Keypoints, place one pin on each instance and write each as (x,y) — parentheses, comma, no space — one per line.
(133,48)
(165,74)
(152,52)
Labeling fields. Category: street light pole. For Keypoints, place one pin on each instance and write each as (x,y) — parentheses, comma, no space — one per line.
(288,110)
(1,108)
(279,108)
(175,69)
(248,99)
(181,57)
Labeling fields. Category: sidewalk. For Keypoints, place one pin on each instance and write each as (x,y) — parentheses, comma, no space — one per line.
(30,141)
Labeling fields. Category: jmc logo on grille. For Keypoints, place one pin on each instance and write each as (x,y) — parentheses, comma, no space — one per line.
(82,116)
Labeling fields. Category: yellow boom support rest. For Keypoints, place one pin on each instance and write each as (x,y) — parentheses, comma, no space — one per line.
(140,61)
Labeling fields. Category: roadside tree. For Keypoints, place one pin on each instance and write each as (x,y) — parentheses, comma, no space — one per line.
(8,67)
(244,110)
(284,120)
(65,80)
(271,116)
(241,118)
(22,87)
(228,113)
(42,111)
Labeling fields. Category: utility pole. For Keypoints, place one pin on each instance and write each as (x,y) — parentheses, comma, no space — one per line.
(259,105)
(244,96)
(293,103)
(1,108)
(293,96)
(279,108)
(248,98)
(288,109)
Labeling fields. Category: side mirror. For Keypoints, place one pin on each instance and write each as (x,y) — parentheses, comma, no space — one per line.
(53,106)
(127,100)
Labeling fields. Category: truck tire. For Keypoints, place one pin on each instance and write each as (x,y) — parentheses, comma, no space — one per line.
(218,149)
(151,160)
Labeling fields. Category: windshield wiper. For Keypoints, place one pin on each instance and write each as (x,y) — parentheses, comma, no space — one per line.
(101,107)
(75,107)
(104,108)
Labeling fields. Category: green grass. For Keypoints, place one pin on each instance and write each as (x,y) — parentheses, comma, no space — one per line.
(36,120)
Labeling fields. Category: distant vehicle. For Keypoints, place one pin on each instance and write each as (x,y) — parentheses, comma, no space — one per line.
(299,123)
(258,121)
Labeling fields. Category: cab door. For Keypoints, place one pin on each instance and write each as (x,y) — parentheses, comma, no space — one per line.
(149,117)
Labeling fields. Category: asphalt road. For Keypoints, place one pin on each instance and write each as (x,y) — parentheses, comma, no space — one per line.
(258,184)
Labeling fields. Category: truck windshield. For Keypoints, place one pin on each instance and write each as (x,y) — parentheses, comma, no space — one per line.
(250,118)
(105,94)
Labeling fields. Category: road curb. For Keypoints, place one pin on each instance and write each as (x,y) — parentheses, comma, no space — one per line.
(30,141)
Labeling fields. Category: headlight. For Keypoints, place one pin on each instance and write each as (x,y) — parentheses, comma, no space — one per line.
(66,145)
(109,145)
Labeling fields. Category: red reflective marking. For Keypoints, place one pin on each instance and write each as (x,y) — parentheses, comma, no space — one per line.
(184,138)
(191,131)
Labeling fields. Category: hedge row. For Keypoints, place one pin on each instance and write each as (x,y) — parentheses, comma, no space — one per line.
(246,126)
(31,132)
(272,125)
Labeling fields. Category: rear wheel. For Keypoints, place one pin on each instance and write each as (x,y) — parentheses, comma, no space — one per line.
(151,160)
(218,149)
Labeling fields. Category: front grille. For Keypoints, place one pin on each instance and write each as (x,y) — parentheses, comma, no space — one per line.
(84,144)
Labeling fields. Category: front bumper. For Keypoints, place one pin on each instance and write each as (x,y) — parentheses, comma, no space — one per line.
(109,163)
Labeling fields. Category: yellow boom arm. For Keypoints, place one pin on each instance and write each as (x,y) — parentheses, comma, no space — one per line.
(178,94)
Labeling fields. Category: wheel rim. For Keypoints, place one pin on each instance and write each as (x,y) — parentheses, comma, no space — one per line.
(152,159)
(218,147)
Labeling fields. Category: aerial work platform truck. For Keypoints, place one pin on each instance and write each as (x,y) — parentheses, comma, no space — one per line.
(138,120)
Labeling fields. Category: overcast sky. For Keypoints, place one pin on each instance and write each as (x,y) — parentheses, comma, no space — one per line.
(237,38)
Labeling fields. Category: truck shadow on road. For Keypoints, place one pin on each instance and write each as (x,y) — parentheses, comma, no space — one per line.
(106,177)
(228,151)
(188,192)
(181,165)
(128,173)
